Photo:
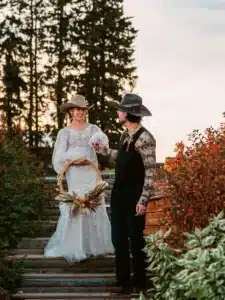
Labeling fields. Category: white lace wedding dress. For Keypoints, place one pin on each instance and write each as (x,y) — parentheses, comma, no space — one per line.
(81,236)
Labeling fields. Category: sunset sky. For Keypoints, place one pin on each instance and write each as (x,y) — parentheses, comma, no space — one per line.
(180,56)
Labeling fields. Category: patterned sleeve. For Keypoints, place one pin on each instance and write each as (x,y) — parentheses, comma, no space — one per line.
(146,146)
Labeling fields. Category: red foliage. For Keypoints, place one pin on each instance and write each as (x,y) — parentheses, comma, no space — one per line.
(196,179)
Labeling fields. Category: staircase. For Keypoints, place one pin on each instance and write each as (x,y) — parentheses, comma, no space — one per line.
(54,278)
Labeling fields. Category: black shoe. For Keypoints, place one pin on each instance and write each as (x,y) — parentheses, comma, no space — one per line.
(122,290)
(138,289)
(126,291)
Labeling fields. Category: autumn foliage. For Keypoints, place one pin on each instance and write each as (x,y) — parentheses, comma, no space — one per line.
(196,179)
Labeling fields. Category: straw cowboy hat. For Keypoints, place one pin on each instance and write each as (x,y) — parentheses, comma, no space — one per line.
(132,104)
(76,101)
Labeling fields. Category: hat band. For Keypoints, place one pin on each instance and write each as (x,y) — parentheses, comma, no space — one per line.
(134,109)
(78,104)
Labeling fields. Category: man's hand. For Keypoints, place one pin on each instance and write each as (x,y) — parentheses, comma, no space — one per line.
(96,146)
(101,150)
(140,210)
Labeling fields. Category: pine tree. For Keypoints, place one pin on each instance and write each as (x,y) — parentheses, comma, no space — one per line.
(12,103)
(106,46)
(21,48)
(33,11)
(11,57)
(60,46)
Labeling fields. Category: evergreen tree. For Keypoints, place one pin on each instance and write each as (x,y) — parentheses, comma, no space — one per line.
(60,46)
(11,57)
(12,103)
(106,39)
(21,49)
(33,14)
(55,47)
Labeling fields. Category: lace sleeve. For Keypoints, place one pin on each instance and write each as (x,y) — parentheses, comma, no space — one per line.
(105,151)
(95,129)
(60,151)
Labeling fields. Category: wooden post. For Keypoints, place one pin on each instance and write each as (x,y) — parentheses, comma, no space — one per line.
(156,215)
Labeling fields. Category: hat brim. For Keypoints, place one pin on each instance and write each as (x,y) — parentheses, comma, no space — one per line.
(65,106)
(144,111)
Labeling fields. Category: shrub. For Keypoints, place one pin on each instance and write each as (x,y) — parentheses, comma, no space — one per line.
(22,195)
(22,200)
(10,276)
(196,272)
(196,179)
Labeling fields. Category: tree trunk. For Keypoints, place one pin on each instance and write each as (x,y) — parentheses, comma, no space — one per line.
(31,108)
(36,77)
(59,86)
(8,110)
(103,119)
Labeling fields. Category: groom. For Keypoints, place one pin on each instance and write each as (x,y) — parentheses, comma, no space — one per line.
(135,161)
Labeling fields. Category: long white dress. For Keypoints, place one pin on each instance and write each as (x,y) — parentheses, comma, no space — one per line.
(81,236)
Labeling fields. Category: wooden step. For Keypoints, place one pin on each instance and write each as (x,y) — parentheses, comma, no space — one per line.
(40,261)
(33,243)
(47,228)
(65,296)
(28,251)
(69,289)
(79,268)
(36,243)
(68,279)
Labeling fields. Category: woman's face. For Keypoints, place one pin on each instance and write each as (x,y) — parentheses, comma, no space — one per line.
(78,114)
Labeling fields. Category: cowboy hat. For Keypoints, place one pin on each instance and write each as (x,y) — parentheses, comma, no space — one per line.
(76,101)
(132,104)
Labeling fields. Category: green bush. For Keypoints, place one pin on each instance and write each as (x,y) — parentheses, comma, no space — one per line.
(22,202)
(10,275)
(196,272)
(22,195)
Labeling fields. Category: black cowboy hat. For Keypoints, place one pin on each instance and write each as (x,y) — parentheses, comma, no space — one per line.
(132,104)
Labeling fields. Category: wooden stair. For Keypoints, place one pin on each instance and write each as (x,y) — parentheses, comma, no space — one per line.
(54,278)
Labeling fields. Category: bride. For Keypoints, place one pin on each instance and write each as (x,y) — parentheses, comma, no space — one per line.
(78,237)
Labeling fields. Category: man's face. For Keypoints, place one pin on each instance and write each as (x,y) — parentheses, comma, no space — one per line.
(122,116)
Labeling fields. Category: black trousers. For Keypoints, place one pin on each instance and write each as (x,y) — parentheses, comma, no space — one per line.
(128,227)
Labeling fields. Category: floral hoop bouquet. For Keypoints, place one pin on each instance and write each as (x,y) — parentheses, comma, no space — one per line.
(81,204)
